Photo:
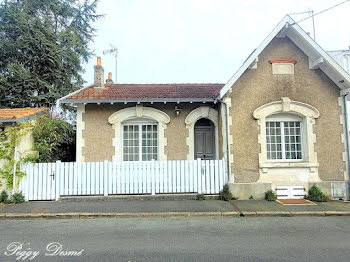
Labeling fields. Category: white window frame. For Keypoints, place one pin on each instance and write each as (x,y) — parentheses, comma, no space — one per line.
(139,111)
(140,123)
(308,113)
(282,118)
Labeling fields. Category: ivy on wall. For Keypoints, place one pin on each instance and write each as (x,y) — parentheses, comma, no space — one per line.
(53,138)
(9,139)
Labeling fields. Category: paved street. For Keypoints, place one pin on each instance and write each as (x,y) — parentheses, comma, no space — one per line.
(183,239)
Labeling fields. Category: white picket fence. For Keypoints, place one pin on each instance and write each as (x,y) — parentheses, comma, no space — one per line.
(49,181)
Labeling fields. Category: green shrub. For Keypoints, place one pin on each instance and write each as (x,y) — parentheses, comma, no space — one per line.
(18,198)
(54,140)
(270,195)
(200,197)
(4,196)
(251,197)
(315,194)
(225,194)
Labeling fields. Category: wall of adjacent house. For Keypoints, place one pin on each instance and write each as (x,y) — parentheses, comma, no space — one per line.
(24,148)
(257,87)
(98,133)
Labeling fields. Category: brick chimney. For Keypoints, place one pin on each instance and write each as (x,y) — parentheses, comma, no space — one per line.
(98,74)
(109,79)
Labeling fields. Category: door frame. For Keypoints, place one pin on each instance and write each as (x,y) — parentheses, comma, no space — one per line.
(212,130)
(190,121)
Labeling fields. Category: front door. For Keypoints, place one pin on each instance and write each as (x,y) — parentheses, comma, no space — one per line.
(204,145)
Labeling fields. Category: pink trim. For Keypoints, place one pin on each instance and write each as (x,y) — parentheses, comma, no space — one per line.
(288,61)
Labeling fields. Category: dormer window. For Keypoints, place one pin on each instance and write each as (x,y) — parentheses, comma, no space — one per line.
(283,66)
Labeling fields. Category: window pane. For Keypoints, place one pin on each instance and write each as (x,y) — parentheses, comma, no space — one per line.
(279,155)
(130,142)
(273,140)
(292,140)
(149,142)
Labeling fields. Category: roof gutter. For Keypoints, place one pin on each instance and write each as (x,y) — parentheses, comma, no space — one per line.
(155,100)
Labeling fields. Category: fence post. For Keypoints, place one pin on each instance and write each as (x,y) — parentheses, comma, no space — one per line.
(105,178)
(152,169)
(57,181)
(199,175)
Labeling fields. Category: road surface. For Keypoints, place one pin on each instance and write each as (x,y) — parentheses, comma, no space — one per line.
(177,239)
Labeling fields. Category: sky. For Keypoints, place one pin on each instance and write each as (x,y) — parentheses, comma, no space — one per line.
(200,41)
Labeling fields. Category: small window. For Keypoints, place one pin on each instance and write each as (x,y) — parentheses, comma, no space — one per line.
(284,139)
(140,141)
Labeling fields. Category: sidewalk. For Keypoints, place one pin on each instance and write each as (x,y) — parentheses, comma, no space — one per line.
(263,207)
(167,208)
(119,207)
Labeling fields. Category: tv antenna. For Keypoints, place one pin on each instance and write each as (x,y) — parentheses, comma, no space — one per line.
(113,51)
(311,15)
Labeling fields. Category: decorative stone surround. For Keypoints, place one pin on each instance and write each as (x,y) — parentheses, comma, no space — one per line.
(80,127)
(228,101)
(190,121)
(342,122)
(117,118)
(286,105)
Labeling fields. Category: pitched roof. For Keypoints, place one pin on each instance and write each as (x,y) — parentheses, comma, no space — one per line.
(144,93)
(20,114)
(318,58)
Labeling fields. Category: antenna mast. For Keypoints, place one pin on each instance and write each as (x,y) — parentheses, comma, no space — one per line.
(113,51)
(311,14)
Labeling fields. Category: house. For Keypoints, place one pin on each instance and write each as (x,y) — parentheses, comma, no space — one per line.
(279,122)
(13,116)
(342,57)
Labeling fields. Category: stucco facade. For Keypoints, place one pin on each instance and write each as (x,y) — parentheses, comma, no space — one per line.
(259,86)
(98,133)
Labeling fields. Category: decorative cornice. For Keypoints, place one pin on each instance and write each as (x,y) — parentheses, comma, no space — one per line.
(138,112)
(284,106)
(283,61)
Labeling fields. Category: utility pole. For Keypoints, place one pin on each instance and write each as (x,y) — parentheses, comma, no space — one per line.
(113,51)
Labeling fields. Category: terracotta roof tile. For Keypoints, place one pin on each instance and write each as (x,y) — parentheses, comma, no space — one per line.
(148,91)
(18,113)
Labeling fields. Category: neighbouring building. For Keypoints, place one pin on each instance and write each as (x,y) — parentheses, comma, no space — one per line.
(13,116)
(279,122)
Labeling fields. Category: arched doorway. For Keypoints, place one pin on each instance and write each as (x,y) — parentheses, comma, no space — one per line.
(204,139)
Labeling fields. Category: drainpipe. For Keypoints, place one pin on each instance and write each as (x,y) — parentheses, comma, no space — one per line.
(346,133)
(227,143)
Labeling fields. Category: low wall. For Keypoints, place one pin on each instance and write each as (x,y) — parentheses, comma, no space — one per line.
(245,190)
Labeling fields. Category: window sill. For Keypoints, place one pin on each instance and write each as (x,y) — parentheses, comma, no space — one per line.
(266,165)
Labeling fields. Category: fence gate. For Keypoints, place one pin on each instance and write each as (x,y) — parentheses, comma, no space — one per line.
(39,183)
(49,181)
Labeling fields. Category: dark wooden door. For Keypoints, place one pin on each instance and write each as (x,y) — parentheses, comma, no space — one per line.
(204,142)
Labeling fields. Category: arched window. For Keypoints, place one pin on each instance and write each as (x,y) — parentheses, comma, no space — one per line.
(139,133)
(140,140)
(286,133)
(284,137)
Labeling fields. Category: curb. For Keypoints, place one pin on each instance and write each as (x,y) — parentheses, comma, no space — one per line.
(173,214)
(169,197)
(293,213)
(115,215)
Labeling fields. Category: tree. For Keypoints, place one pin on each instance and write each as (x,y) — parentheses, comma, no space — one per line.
(54,140)
(42,47)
